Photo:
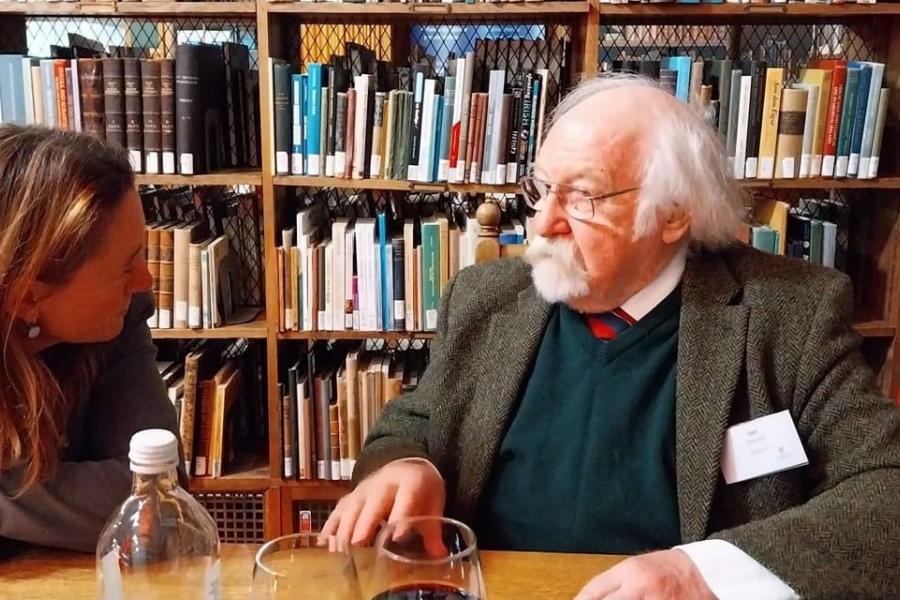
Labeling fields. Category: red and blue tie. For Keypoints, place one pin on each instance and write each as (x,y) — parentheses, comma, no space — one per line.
(608,325)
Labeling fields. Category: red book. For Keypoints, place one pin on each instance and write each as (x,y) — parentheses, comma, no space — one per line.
(832,118)
(62,94)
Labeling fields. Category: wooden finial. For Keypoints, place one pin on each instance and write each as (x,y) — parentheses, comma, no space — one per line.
(488,246)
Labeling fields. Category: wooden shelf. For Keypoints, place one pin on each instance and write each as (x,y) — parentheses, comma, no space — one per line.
(882,183)
(253,329)
(356,335)
(393,184)
(745,11)
(236,177)
(875,329)
(145,8)
(425,9)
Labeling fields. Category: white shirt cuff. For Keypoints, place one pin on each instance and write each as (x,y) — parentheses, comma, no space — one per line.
(732,574)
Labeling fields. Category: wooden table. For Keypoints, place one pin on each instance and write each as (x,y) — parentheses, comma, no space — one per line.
(45,574)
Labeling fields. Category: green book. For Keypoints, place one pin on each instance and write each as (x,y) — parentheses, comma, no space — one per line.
(431,271)
(848,111)
(815,241)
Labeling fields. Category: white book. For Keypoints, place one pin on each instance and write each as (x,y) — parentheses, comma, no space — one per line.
(883,98)
(303,433)
(409,266)
(829,243)
(361,84)
(304,230)
(465,100)
(75,87)
(297,166)
(426,141)
(365,236)
(809,126)
(326,313)
(338,262)
(472,230)
(37,92)
(349,244)
(375,291)
(865,154)
(455,129)
(205,284)
(29,89)
(740,149)
(287,241)
(492,139)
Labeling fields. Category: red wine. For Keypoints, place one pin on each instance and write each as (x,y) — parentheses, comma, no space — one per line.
(425,591)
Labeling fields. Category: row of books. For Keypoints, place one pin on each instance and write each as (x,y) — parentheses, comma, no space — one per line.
(215,387)
(372,273)
(462,128)
(738,1)
(194,114)
(329,405)
(828,123)
(197,276)
(797,231)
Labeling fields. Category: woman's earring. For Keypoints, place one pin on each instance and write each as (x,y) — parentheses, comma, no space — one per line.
(34,330)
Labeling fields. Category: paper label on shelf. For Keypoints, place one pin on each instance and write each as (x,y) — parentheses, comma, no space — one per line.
(431,316)
(512,170)
(296,164)
(313,165)
(787,167)
(840,167)
(329,165)
(399,310)
(375,166)
(212,588)
(111,577)
(863,170)
(752,166)
(181,311)
(168,160)
(805,164)
(873,167)
(186,164)
(853,164)
(165,318)
(828,166)
(152,166)
(340,163)
(134,157)
(281,163)
(443,169)
(816,169)
(194,318)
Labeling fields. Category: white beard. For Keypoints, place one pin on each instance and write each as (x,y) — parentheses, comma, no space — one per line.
(557,270)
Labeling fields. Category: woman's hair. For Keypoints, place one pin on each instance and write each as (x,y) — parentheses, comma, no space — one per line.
(57,193)
(685,166)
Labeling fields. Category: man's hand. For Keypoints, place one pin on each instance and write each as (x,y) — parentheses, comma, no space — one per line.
(402,488)
(665,575)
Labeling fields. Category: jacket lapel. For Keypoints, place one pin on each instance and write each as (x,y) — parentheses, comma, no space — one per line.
(512,345)
(711,346)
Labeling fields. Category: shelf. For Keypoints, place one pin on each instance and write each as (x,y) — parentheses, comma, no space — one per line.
(236,177)
(148,7)
(744,11)
(425,9)
(882,183)
(356,335)
(253,329)
(393,184)
(875,329)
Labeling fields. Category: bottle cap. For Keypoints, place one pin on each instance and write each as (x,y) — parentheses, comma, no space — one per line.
(153,451)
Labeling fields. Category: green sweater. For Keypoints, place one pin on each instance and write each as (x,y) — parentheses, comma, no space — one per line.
(588,461)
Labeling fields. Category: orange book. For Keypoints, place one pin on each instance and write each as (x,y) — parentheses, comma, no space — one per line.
(62,93)
(832,119)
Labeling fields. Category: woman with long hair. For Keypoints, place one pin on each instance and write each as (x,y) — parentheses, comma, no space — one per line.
(78,376)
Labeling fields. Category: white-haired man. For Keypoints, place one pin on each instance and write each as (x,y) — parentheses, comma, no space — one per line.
(590,398)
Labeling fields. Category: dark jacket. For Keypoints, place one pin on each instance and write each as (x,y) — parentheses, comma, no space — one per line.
(758,334)
(69,510)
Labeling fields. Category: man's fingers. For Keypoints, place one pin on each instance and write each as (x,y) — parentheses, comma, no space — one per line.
(349,515)
(334,519)
(433,539)
(601,586)
(377,506)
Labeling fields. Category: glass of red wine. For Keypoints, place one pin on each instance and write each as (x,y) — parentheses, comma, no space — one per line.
(305,566)
(426,558)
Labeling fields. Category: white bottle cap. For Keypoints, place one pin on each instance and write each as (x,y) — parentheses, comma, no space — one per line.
(153,451)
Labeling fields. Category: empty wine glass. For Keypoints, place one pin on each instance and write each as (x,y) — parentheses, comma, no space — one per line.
(304,566)
(426,558)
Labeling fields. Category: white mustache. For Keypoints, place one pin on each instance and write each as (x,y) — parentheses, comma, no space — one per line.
(558,270)
(561,251)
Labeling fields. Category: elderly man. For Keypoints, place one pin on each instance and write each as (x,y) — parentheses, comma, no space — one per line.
(590,398)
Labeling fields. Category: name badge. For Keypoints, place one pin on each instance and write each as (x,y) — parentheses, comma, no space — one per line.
(762,446)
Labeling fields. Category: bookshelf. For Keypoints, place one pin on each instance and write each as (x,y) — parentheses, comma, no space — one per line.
(255,497)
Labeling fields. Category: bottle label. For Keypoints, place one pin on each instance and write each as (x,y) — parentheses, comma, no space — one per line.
(110,576)
(211,582)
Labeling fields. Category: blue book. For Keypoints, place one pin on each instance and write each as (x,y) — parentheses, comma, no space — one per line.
(682,67)
(386,259)
(859,115)
(313,131)
(435,161)
(297,157)
(12,89)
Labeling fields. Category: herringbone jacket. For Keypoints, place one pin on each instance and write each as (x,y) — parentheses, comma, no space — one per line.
(758,334)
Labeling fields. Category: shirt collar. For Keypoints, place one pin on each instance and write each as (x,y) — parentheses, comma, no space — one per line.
(640,305)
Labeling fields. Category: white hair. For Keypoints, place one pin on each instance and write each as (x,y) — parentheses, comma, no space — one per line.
(686,166)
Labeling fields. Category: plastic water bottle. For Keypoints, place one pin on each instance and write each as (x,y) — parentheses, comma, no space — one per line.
(161,544)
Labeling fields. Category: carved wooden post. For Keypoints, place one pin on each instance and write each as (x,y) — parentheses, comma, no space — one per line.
(488,246)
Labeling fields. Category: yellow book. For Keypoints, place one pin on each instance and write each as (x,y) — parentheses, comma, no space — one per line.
(768,137)
(444,234)
(774,213)
(295,287)
(822,79)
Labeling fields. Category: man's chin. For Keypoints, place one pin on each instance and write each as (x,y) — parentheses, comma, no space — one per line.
(554,286)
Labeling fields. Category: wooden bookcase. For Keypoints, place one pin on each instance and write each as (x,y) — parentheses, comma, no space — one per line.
(258,503)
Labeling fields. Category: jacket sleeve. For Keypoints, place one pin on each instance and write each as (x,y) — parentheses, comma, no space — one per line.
(402,429)
(842,543)
(69,509)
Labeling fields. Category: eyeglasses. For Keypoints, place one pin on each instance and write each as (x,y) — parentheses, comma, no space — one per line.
(577,203)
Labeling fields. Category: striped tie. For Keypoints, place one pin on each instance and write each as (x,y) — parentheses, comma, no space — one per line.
(608,325)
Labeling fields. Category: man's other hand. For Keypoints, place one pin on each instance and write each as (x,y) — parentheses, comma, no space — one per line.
(664,575)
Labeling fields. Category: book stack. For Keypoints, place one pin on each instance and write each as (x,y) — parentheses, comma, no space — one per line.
(380,273)
(194,114)
(808,231)
(329,404)
(829,123)
(197,274)
(209,385)
(359,118)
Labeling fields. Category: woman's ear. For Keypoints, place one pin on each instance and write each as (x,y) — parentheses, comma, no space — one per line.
(676,226)
(28,307)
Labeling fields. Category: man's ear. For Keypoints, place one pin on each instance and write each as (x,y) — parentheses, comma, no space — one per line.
(676,226)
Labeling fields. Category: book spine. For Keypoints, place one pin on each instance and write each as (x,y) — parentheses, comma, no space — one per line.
(868,137)
(114,101)
(188,108)
(167,114)
(313,138)
(166,277)
(733,114)
(515,119)
(377,133)
(769,127)
(62,95)
(859,119)
(340,135)
(415,141)
(281,93)
(150,89)
(848,110)
(880,118)
(350,142)
(832,120)
(399,284)
(754,123)
(90,74)
(153,268)
(446,125)
(298,94)
(48,83)
(134,114)
(331,104)
(790,134)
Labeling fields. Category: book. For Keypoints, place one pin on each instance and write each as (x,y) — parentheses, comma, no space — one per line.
(791,123)
(151,116)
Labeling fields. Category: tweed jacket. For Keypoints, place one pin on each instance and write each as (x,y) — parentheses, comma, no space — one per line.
(758,334)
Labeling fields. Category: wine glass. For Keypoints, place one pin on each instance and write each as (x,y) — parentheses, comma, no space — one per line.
(426,558)
(305,566)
